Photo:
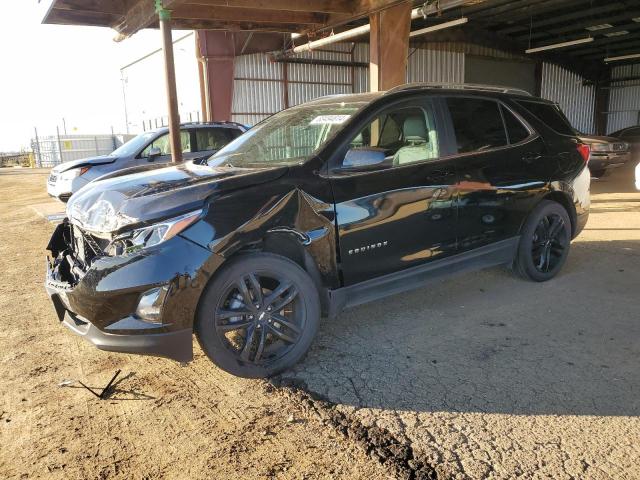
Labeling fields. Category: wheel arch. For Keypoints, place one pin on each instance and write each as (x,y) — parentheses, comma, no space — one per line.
(290,244)
(563,199)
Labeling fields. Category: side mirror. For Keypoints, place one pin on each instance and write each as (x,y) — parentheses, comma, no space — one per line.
(363,157)
(153,153)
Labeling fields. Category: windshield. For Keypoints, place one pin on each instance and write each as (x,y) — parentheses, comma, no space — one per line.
(288,137)
(133,145)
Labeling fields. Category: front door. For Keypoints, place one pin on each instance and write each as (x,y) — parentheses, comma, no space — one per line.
(164,145)
(395,197)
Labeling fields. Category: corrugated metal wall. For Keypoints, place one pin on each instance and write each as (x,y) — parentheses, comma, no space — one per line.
(259,87)
(624,99)
(576,100)
(259,84)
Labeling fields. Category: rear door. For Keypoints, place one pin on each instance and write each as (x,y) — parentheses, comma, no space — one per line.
(401,212)
(500,163)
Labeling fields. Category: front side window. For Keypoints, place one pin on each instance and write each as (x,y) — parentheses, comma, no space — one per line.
(399,136)
(214,138)
(164,144)
(477,124)
(290,136)
(551,115)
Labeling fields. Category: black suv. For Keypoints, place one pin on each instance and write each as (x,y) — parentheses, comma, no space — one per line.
(323,206)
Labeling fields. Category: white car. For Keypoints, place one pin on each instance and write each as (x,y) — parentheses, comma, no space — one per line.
(199,141)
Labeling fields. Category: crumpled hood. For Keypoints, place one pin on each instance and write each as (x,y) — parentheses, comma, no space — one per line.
(156,194)
(100,160)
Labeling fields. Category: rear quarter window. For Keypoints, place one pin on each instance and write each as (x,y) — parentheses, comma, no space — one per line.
(549,114)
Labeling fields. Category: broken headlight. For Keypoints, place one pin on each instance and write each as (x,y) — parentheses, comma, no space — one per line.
(155,234)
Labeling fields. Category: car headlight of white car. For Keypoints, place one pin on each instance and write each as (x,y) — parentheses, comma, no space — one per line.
(638,177)
(73,173)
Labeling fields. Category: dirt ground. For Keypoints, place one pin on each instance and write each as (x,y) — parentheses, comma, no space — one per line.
(480,376)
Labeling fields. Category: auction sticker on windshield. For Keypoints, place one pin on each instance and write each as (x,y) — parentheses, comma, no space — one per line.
(329,119)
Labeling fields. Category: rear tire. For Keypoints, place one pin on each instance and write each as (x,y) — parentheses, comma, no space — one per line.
(599,173)
(258,316)
(544,242)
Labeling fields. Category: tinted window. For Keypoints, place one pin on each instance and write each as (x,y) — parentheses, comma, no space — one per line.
(163,143)
(551,115)
(214,138)
(477,124)
(405,135)
(516,131)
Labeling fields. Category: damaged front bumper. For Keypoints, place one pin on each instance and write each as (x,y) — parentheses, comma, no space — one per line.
(98,300)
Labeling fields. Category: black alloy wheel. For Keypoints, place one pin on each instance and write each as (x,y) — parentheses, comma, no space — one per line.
(258,315)
(544,242)
(549,243)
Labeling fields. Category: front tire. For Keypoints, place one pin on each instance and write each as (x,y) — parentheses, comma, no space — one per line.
(258,316)
(544,242)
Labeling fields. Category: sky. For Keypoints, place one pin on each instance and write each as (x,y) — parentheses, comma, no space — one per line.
(53,72)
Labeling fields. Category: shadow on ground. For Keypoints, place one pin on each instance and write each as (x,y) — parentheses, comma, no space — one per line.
(490,342)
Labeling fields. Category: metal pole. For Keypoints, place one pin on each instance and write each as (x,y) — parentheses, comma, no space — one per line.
(95,139)
(164,17)
(64,125)
(59,142)
(113,139)
(124,100)
(38,155)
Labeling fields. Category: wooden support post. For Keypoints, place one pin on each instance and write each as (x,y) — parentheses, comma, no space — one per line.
(389,47)
(170,77)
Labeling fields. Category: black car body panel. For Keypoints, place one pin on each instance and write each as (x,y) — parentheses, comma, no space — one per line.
(356,233)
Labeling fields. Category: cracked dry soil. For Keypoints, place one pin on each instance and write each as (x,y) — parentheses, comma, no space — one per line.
(160,420)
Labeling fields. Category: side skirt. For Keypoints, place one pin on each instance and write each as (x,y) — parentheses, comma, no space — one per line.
(499,253)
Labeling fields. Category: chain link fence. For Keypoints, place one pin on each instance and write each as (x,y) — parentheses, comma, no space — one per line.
(49,151)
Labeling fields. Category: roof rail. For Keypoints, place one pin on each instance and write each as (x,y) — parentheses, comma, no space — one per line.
(221,122)
(460,86)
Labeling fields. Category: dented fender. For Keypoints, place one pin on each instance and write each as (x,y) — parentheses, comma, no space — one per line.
(232,224)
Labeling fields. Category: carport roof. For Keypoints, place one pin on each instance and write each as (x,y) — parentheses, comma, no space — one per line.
(129,16)
(523,24)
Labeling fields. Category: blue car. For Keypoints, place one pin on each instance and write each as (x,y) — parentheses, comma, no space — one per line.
(199,141)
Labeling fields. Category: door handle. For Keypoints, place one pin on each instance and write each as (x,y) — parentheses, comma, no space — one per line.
(531,157)
(440,174)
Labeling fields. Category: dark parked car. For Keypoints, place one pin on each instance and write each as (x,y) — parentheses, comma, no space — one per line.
(631,135)
(323,206)
(607,153)
(198,139)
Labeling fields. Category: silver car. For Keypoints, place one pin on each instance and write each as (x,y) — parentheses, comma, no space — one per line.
(199,141)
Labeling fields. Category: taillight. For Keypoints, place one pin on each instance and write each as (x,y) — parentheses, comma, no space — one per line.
(84,170)
(584,151)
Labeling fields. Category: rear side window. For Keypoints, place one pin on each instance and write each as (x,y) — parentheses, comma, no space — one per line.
(551,115)
(214,138)
(516,131)
(477,124)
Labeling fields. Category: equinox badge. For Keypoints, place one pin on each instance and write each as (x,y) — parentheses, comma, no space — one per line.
(366,248)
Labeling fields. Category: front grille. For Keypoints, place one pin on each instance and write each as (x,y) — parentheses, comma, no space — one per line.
(619,147)
(85,246)
(53,178)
